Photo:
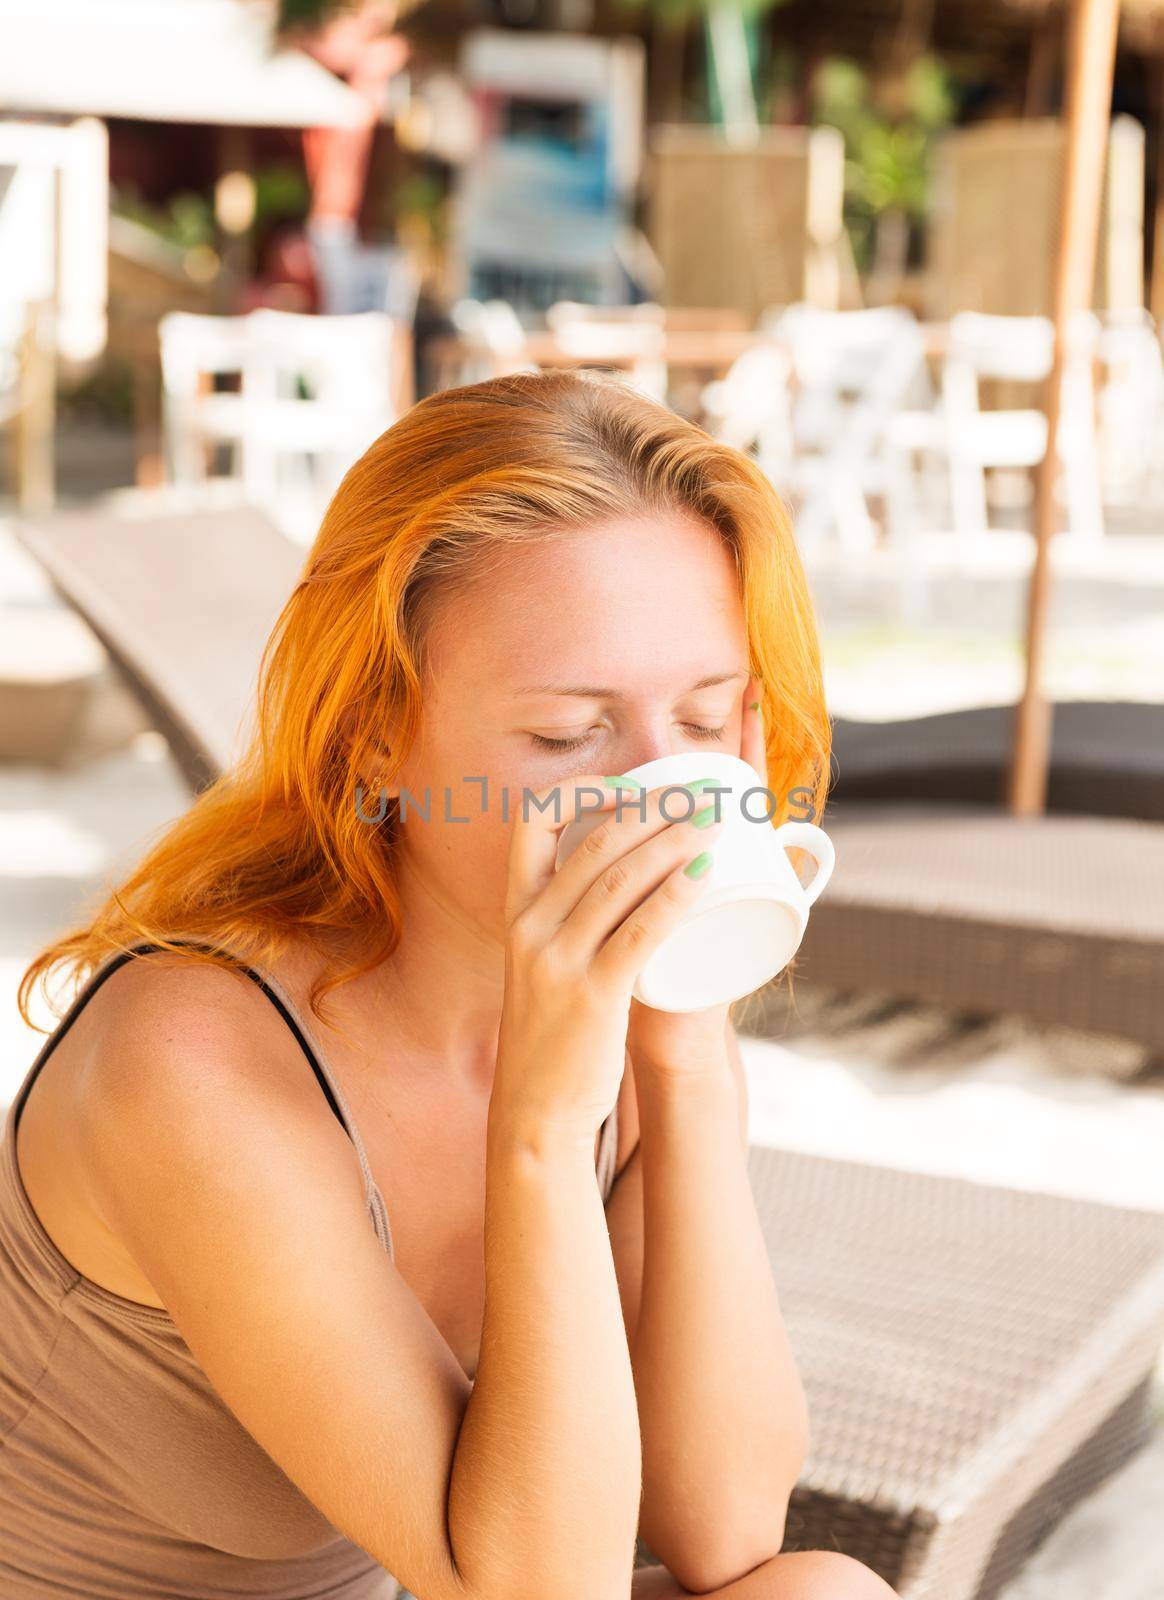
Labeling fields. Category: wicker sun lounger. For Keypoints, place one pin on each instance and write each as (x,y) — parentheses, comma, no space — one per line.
(183,603)
(1057,918)
(1107,758)
(976,1359)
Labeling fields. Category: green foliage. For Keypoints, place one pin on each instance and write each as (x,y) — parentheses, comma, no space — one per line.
(840,94)
(887,155)
(186,220)
(280,192)
(887,148)
(931,94)
(419,195)
(307,13)
(890,172)
(305,16)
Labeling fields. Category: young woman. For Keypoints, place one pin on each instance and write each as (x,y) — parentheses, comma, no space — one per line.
(356,1226)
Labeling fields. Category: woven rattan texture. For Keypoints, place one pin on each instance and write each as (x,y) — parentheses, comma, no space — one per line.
(1060,919)
(963,1347)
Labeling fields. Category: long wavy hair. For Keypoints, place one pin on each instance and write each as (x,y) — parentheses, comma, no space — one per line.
(276,849)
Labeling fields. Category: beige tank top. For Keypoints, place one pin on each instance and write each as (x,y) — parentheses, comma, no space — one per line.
(123,1475)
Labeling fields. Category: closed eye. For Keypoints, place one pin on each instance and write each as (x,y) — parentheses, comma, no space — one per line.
(697,730)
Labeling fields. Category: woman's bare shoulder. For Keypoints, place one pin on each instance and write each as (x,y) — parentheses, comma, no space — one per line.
(166,1007)
(178,1041)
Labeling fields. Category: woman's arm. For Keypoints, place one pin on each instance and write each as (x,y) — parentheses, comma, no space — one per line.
(546,1480)
(214,1159)
(721,1406)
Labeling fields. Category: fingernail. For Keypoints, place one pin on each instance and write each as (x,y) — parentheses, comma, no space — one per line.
(704,818)
(697,867)
(622,783)
(702,783)
(755,706)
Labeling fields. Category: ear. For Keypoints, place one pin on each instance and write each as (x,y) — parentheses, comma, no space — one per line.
(374,758)
(379,762)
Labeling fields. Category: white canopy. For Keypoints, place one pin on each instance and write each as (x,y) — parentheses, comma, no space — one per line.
(163,61)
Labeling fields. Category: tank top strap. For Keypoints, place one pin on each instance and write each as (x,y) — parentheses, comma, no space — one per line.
(315,1054)
(96,978)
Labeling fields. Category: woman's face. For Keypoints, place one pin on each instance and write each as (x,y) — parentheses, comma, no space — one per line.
(592,651)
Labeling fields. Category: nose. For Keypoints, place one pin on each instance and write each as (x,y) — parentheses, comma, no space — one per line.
(649,740)
(642,746)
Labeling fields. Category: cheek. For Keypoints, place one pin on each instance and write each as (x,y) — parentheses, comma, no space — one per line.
(471,858)
(479,844)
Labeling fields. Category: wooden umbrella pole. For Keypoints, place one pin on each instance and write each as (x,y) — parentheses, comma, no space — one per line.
(1091,67)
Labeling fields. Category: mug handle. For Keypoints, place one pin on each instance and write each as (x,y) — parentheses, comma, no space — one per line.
(807,836)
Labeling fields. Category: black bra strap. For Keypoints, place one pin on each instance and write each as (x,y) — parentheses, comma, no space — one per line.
(126,955)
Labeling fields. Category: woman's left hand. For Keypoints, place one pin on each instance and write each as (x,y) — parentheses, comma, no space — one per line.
(680,1044)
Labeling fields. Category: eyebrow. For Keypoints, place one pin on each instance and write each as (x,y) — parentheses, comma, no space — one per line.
(590,693)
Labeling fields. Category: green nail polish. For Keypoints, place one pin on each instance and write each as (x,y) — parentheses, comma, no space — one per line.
(622,783)
(696,868)
(704,818)
(703,783)
(755,706)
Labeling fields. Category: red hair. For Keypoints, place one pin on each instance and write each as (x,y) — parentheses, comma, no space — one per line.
(275,849)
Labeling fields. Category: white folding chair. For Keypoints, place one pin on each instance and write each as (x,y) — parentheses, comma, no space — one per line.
(197,350)
(852,370)
(974,439)
(320,393)
(750,408)
(313,393)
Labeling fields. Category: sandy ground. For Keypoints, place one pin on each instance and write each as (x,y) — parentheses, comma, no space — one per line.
(911,1086)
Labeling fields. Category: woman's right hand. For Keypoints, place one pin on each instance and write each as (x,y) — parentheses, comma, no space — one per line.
(576,940)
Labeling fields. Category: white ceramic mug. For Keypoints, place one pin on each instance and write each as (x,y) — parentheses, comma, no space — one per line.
(749,922)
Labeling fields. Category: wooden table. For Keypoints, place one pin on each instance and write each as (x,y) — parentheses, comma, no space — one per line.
(711,349)
(707,350)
